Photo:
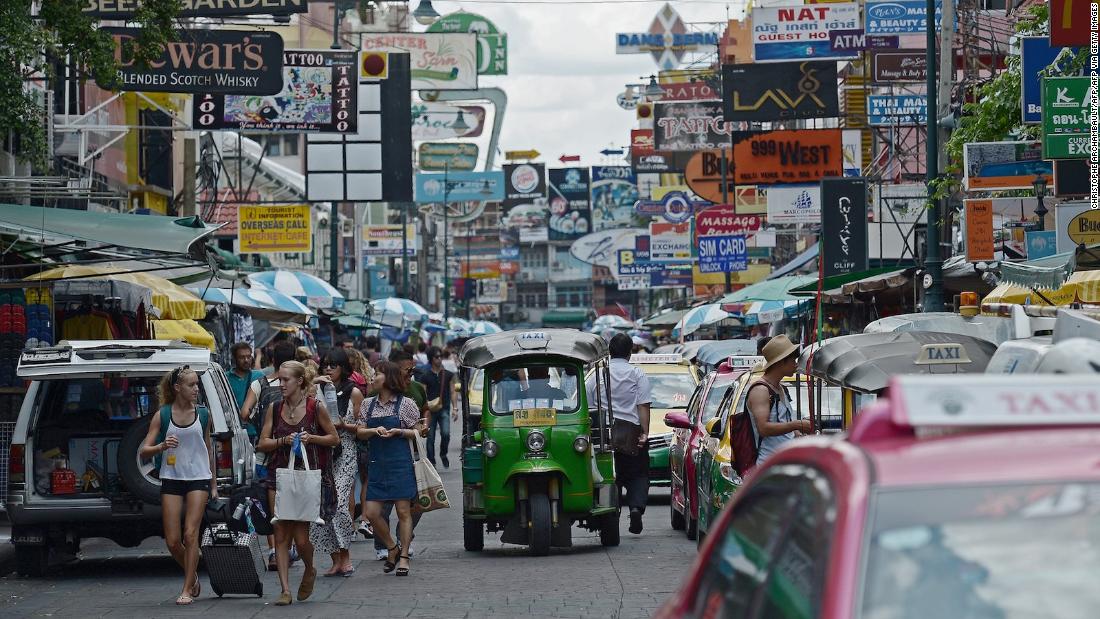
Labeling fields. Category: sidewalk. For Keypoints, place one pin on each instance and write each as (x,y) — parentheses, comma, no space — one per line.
(7,551)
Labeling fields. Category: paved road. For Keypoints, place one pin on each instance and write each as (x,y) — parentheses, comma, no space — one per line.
(446,582)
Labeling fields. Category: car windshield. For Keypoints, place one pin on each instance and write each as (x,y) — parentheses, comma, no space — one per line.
(534,386)
(831,404)
(1009,551)
(714,398)
(671,390)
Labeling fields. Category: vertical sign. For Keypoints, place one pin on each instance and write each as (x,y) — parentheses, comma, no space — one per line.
(979,230)
(843,225)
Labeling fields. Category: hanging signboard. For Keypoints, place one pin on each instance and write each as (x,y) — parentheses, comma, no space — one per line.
(438,61)
(686,90)
(897,110)
(570,214)
(689,126)
(440,156)
(275,229)
(768,157)
(900,66)
(634,262)
(387,240)
(524,183)
(1039,57)
(667,40)
(319,95)
(722,220)
(786,91)
(857,41)
(459,187)
(669,242)
(1070,21)
(899,16)
(675,207)
(674,275)
(723,254)
(492,44)
(783,33)
(614,192)
(979,230)
(1003,166)
(440,121)
(123,10)
(246,62)
(843,226)
(794,204)
(1068,105)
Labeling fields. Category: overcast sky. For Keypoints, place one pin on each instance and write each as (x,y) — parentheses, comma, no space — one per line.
(564,75)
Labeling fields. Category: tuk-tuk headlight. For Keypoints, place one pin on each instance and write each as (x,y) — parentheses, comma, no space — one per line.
(580,444)
(491,448)
(536,440)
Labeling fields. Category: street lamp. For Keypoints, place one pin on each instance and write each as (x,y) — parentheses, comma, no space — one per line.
(425,13)
(1040,185)
(653,90)
(459,124)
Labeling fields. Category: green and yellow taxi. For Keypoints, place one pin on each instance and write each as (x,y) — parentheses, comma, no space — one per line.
(672,381)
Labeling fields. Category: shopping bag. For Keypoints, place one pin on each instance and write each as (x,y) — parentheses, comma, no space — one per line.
(430,494)
(298,493)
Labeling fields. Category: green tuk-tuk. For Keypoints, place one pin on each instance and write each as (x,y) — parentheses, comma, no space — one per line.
(536,439)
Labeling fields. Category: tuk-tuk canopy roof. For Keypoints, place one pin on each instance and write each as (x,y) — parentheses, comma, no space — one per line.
(487,349)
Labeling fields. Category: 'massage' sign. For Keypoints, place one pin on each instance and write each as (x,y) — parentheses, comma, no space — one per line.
(205,61)
(124,9)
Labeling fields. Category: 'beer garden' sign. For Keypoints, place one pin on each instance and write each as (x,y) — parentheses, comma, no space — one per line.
(1066,112)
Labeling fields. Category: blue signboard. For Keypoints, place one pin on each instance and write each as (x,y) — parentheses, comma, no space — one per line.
(460,187)
(1036,55)
(509,252)
(1041,244)
(898,16)
(631,262)
(723,254)
(897,110)
(674,275)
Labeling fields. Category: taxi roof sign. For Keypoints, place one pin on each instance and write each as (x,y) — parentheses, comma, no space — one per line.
(942,354)
(650,358)
(533,340)
(921,400)
(744,361)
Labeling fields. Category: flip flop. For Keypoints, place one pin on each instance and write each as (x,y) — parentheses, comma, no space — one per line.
(348,572)
(196,591)
(184,600)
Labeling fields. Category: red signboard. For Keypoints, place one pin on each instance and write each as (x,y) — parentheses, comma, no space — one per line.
(689,91)
(641,142)
(723,219)
(1069,22)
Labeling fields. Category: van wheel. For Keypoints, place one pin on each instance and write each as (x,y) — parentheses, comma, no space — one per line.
(136,474)
(609,529)
(691,527)
(473,534)
(676,517)
(32,561)
(539,532)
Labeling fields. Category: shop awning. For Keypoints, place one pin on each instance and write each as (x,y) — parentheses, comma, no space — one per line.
(1082,287)
(172,301)
(836,282)
(576,317)
(770,289)
(798,262)
(164,235)
(186,330)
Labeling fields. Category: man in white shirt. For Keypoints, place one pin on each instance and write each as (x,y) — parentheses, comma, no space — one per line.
(630,400)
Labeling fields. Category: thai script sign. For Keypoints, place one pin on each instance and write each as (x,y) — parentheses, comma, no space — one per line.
(1067,110)
(801,32)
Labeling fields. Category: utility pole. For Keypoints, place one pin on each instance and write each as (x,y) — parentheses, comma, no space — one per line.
(933,263)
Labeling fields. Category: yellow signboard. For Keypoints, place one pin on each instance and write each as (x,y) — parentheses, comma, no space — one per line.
(1084,229)
(275,229)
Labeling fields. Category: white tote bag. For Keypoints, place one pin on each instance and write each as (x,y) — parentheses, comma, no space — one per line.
(298,493)
(430,494)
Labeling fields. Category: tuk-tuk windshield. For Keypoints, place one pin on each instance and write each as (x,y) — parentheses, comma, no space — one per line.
(534,386)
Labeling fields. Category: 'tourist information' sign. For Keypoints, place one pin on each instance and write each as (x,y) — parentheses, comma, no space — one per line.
(204,62)
(272,229)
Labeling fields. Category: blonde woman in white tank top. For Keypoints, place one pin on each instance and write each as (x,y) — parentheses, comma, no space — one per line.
(179,439)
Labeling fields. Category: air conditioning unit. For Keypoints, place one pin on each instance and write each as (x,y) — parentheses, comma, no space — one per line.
(525,276)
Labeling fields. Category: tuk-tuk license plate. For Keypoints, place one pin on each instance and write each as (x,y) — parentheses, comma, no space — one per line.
(526,417)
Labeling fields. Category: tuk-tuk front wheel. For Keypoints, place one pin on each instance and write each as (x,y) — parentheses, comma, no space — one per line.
(609,529)
(539,531)
(473,534)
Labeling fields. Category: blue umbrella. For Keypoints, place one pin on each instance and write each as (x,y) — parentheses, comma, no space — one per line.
(395,311)
(309,289)
(484,327)
(258,297)
(700,316)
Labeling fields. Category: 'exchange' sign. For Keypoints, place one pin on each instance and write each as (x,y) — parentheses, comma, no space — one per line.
(1066,112)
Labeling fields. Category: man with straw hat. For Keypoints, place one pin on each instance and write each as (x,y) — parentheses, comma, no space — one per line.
(773,419)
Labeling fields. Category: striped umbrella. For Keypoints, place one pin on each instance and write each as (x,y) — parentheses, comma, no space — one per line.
(612,321)
(395,310)
(700,317)
(484,327)
(459,326)
(309,289)
(258,297)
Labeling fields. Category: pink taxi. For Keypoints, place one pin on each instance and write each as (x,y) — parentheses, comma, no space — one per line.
(953,496)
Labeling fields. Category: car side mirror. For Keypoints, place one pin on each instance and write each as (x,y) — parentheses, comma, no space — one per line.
(677,420)
(714,427)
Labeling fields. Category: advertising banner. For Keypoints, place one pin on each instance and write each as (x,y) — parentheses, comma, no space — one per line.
(386,240)
(437,61)
(524,183)
(570,212)
(979,230)
(436,121)
(1070,21)
(614,192)
(492,44)
(751,200)
(669,242)
(667,39)
(897,110)
(769,157)
(852,142)
(909,65)
(899,16)
(203,62)
(687,89)
(723,254)
(1003,166)
(122,10)
(645,158)
(794,204)
(857,41)
(780,91)
(1039,58)
(492,291)
(722,220)
(801,32)
(1040,243)
(675,207)
(1076,223)
(714,284)
(275,229)
(689,126)
(634,262)
(1067,110)
(843,225)
(459,187)
(319,94)
(672,276)
(440,156)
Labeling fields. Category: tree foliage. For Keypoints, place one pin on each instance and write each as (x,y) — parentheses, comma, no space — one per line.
(31,43)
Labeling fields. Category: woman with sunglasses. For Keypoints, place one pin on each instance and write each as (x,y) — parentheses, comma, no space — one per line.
(179,442)
(335,536)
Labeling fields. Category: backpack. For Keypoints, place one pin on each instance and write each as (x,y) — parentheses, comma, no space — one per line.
(744,444)
(166,418)
(269,394)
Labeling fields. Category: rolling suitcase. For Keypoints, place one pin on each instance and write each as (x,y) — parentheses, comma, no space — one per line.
(233,560)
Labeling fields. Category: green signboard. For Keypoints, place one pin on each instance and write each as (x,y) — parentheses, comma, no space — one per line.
(1066,112)
(492,45)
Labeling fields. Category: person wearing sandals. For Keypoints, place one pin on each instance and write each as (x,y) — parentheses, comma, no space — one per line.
(179,441)
(335,536)
(389,420)
(305,417)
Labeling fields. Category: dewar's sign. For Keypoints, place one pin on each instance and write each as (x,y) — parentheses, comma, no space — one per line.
(204,61)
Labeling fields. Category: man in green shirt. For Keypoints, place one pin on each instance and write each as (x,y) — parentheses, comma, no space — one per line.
(242,376)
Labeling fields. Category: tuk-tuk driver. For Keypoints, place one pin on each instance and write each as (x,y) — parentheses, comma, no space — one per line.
(539,387)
